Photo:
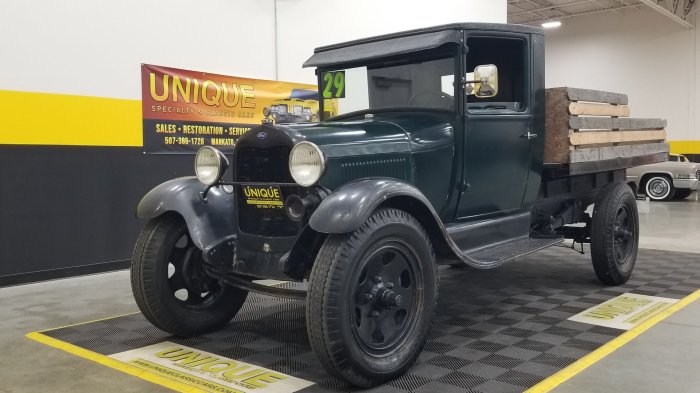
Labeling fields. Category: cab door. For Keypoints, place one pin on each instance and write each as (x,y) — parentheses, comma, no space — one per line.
(498,130)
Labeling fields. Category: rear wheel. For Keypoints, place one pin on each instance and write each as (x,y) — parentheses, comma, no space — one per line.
(682,193)
(371,298)
(170,285)
(659,188)
(614,234)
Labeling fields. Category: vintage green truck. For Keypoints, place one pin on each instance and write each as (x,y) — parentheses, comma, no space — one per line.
(436,157)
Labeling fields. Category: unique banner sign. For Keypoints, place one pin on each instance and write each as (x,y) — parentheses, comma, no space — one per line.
(625,311)
(209,372)
(184,110)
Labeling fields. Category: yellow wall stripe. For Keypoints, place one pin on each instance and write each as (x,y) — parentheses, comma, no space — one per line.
(685,147)
(59,119)
(115,364)
(586,361)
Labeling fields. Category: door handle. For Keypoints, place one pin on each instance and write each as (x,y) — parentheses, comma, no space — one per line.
(529,135)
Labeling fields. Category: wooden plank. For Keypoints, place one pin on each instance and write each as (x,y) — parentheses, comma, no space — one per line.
(613,152)
(617,163)
(607,97)
(608,123)
(594,137)
(556,135)
(584,108)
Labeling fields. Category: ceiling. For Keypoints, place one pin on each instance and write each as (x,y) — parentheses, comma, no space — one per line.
(534,12)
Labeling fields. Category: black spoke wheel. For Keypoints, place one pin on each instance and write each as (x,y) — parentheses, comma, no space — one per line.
(614,234)
(384,302)
(371,297)
(170,285)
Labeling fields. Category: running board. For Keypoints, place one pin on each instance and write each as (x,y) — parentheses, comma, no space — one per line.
(501,252)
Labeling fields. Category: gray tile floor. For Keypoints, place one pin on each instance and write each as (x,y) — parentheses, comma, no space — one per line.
(665,358)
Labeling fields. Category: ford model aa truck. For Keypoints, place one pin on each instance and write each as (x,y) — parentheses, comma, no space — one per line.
(435,156)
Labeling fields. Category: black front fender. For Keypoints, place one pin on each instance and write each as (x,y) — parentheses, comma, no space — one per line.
(350,206)
(209,222)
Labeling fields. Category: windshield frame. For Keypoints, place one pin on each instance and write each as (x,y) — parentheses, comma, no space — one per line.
(447,51)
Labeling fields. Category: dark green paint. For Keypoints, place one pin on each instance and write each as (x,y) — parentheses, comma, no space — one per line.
(469,165)
(413,146)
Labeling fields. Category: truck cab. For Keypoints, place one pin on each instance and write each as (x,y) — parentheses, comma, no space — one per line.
(434,154)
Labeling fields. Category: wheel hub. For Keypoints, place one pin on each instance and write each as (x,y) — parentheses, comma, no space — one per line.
(381,296)
(385,299)
(194,275)
(623,236)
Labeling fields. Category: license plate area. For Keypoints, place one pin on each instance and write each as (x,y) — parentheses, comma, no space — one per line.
(263,197)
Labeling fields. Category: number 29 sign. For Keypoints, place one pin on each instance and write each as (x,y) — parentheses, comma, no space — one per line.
(333,83)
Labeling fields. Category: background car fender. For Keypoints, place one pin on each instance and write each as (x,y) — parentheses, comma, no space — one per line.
(209,222)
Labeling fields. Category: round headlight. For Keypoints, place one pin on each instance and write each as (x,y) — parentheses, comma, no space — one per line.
(209,165)
(306,163)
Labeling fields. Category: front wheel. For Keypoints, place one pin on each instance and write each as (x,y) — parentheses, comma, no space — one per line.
(614,234)
(659,188)
(169,283)
(371,298)
(682,193)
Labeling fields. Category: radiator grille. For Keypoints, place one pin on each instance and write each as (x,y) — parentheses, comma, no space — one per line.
(268,165)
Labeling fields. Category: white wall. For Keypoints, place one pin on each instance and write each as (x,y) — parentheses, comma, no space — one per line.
(640,53)
(306,24)
(96,47)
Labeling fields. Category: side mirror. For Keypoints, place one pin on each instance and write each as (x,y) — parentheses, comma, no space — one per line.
(485,81)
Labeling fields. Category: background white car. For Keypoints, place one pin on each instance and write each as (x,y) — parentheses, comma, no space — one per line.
(676,178)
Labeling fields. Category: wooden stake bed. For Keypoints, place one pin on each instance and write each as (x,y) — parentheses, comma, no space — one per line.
(590,130)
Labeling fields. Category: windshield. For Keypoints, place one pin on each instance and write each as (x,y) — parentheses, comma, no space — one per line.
(419,84)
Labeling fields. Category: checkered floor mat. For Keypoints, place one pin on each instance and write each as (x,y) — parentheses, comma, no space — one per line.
(500,330)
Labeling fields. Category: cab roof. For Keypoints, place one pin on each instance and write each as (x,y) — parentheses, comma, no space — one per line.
(405,42)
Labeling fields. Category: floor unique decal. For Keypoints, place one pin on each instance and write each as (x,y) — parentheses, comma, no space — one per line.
(501,330)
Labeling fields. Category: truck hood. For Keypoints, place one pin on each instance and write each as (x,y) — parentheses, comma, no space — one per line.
(389,132)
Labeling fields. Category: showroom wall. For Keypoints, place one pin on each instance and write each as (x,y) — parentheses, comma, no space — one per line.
(638,52)
(71,163)
(340,20)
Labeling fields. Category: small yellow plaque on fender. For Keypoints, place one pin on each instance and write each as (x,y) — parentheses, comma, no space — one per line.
(263,197)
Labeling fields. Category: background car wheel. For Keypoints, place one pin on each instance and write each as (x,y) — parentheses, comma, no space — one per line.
(371,298)
(682,194)
(659,188)
(169,283)
(614,234)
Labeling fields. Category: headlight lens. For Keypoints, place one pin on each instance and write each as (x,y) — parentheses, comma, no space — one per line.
(209,165)
(306,164)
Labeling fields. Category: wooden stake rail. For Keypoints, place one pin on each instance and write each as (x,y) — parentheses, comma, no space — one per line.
(583,125)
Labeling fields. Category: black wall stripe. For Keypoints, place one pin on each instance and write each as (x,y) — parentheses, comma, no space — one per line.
(65,209)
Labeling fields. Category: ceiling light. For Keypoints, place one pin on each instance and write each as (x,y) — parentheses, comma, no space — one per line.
(551,24)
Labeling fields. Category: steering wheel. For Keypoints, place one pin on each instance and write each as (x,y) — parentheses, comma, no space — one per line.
(431,99)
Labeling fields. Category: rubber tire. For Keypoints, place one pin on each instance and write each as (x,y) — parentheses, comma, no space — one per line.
(327,321)
(669,181)
(604,214)
(149,284)
(682,193)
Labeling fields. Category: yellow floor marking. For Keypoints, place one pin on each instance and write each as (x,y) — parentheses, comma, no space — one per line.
(115,364)
(586,361)
(94,320)
(544,386)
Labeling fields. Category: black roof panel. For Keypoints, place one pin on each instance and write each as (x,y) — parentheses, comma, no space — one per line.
(404,42)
